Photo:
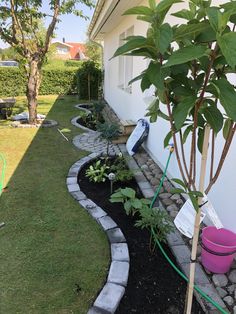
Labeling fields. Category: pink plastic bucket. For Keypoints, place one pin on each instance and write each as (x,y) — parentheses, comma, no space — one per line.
(218,249)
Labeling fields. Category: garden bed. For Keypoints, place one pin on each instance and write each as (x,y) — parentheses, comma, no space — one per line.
(153,286)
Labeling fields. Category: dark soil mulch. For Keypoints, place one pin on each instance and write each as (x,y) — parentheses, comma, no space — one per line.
(153,286)
(89,123)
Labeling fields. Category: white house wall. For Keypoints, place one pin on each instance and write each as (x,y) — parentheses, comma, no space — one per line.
(133,106)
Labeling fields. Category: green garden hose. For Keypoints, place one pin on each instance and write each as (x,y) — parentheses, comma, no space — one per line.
(202,293)
(4,164)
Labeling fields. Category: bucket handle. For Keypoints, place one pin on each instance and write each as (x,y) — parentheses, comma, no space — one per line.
(216,253)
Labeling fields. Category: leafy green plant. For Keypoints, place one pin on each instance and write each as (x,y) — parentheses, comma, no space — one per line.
(148,217)
(156,219)
(97,172)
(108,132)
(119,167)
(127,196)
(97,109)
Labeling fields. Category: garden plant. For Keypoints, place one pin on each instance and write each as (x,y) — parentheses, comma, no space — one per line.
(191,64)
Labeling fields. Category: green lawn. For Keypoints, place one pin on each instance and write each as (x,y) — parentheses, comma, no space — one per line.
(49,244)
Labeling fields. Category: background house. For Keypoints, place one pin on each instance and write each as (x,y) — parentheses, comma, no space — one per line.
(109,27)
(68,50)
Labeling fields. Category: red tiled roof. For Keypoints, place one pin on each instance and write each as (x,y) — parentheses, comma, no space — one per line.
(75,49)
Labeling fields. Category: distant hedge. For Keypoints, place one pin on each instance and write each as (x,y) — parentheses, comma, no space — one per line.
(61,80)
(54,81)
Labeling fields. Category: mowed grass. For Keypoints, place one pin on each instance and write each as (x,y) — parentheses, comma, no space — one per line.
(53,255)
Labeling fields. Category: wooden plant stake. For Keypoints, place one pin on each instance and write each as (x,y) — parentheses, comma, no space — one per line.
(197,222)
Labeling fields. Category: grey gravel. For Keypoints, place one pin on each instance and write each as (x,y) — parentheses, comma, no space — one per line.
(232,276)
(231,289)
(229,300)
(220,280)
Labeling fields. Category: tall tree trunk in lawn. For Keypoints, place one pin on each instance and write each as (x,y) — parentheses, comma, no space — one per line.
(32,89)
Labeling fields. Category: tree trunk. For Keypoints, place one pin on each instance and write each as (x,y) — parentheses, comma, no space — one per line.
(32,89)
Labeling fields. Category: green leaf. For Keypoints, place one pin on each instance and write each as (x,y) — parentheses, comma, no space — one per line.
(191,30)
(139,10)
(186,54)
(152,4)
(194,201)
(226,128)
(214,117)
(180,182)
(116,200)
(131,44)
(165,5)
(167,139)
(186,132)
(177,191)
(127,207)
(184,14)
(181,111)
(227,43)
(153,110)
(145,83)
(136,203)
(213,14)
(156,76)
(227,97)
(163,37)
(137,78)
(197,193)
(128,192)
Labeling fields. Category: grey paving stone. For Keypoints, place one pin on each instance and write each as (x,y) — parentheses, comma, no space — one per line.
(73,188)
(182,253)
(109,298)
(87,204)
(232,276)
(174,238)
(118,273)
(71,180)
(229,300)
(144,185)
(148,193)
(212,293)
(107,223)
(200,276)
(119,252)
(221,292)
(94,310)
(97,212)
(79,196)
(115,235)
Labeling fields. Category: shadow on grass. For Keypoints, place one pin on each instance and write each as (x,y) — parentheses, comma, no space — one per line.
(54,257)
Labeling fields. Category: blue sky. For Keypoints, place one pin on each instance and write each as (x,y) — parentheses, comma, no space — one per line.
(71,27)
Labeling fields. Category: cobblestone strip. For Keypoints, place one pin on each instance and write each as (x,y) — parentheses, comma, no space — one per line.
(148,176)
(114,288)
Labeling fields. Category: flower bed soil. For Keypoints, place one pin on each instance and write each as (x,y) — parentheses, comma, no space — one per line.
(153,286)
(88,123)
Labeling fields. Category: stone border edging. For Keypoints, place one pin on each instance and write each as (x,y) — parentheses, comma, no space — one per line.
(50,123)
(74,120)
(111,294)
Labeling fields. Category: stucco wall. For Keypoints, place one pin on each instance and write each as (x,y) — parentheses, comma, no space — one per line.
(132,106)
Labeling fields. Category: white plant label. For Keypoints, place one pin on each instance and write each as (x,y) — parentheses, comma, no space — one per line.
(211,213)
(185,219)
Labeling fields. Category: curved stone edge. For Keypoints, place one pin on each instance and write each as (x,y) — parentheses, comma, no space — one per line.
(74,120)
(111,294)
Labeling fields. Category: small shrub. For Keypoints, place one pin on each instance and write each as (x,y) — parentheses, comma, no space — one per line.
(89,80)
(109,132)
(97,172)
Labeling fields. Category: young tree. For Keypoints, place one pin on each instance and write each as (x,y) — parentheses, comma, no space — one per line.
(19,24)
(93,51)
(190,66)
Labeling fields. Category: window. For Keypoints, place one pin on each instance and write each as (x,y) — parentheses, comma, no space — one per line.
(62,50)
(125,64)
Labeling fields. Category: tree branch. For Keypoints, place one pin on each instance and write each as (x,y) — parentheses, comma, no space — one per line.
(223,157)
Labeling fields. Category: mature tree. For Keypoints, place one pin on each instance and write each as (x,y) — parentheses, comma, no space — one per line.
(93,51)
(19,24)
